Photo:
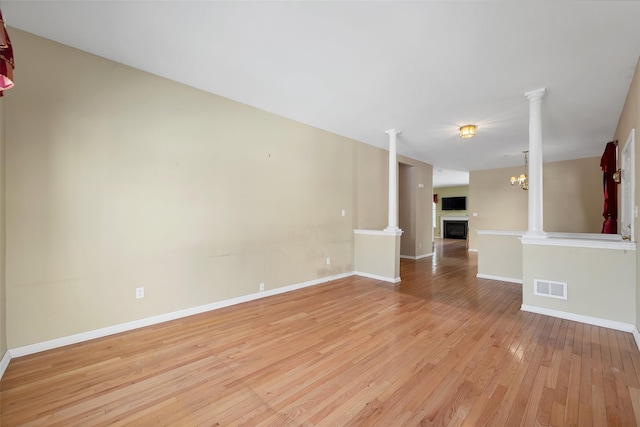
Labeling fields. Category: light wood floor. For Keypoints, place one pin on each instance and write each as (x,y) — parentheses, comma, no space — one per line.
(441,348)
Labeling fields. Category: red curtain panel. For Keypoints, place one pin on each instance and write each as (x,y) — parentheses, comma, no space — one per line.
(610,212)
(6,59)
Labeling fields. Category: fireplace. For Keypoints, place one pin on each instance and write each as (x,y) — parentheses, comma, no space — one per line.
(455,229)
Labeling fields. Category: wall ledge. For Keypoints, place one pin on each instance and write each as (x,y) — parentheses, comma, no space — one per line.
(378,232)
(501,232)
(588,236)
(581,243)
(154,320)
(589,320)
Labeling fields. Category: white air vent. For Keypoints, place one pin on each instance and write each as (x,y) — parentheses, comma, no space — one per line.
(547,288)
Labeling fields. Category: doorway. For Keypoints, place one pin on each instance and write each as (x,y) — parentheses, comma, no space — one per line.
(407,210)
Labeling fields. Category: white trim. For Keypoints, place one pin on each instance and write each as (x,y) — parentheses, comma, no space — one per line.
(500,278)
(588,236)
(123,327)
(501,232)
(416,257)
(424,255)
(378,232)
(581,243)
(4,363)
(472,250)
(636,336)
(377,277)
(628,207)
(454,218)
(597,321)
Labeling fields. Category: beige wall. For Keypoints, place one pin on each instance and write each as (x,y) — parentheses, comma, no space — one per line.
(572,199)
(630,119)
(500,256)
(377,255)
(573,196)
(118,179)
(499,207)
(372,187)
(449,192)
(604,293)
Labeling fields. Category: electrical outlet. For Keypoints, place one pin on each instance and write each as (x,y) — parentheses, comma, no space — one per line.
(261,287)
(139,293)
(328,260)
(344,212)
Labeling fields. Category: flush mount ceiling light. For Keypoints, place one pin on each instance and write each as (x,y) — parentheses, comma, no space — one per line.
(467,131)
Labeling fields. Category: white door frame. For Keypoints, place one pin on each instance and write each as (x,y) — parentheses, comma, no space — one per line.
(627,206)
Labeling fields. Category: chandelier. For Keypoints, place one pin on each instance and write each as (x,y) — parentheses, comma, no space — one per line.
(521,181)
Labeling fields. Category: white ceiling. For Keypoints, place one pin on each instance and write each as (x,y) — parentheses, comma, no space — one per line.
(360,68)
(449,178)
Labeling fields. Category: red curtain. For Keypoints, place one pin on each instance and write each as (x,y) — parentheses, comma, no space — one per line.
(6,59)
(610,212)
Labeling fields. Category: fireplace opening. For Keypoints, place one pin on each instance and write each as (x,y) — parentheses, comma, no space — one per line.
(455,229)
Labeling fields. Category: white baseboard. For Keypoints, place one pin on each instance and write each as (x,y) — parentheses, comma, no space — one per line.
(636,336)
(500,278)
(376,277)
(596,321)
(416,257)
(473,250)
(123,327)
(4,362)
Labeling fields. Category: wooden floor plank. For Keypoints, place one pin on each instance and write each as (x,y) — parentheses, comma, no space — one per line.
(440,348)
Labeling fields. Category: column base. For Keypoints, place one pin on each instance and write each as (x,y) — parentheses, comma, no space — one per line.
(395,229)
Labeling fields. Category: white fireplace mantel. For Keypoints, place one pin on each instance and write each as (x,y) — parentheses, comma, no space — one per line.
(450,218)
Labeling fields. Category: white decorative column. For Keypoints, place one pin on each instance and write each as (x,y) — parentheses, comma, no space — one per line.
(535,164)
(393,182)
(377,252)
